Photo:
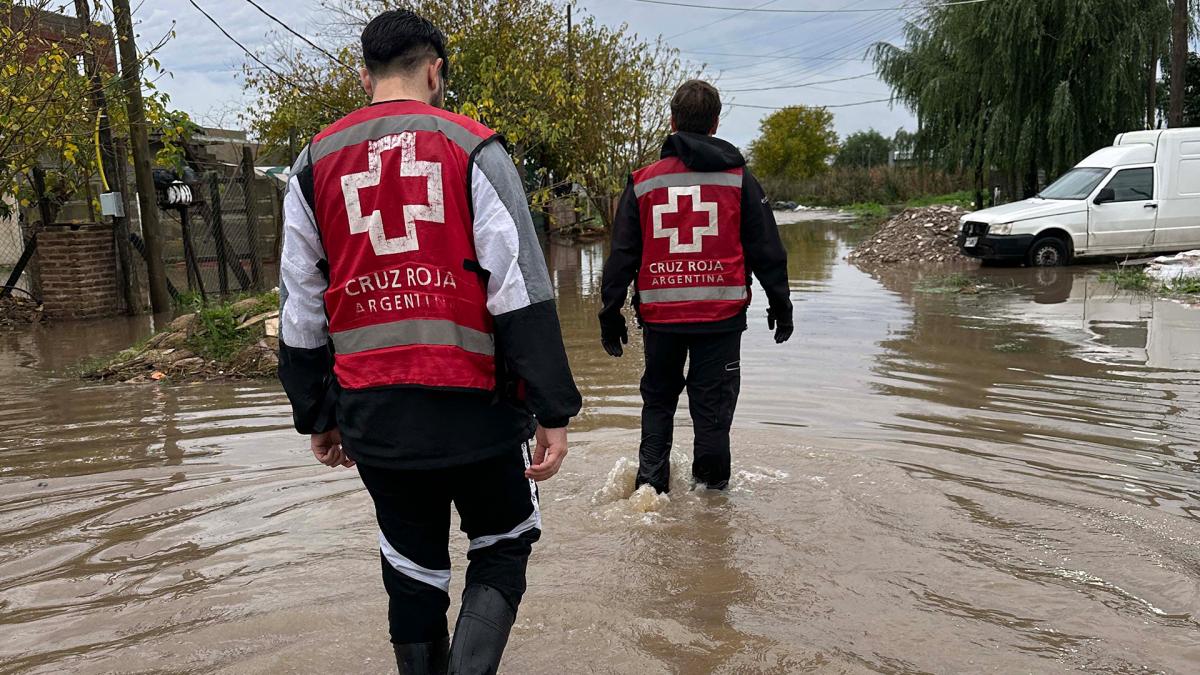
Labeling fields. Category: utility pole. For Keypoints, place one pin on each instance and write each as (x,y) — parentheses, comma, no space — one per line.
(131,79)
(112,172)
(1179,51)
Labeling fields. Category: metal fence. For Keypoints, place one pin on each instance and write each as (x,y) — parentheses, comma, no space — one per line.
(226,241)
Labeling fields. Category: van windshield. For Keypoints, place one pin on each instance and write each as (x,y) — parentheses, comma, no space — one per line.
(1074,184)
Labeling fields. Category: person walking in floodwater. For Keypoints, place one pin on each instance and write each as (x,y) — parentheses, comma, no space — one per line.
(414,299)
(689,232)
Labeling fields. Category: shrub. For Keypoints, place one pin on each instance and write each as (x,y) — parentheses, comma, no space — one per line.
(852,185)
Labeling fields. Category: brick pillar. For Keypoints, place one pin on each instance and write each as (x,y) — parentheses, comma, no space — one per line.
(79,271)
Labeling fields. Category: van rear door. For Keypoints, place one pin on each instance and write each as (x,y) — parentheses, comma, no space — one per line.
(1126,221)
(1179,210)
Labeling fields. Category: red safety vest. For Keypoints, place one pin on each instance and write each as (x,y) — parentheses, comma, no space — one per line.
(693,268)
(391,185)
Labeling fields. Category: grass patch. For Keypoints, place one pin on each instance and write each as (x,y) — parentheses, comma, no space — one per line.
(217,337)
(963,198)
(1185,286)
(1136,279)
(867,210)
(1129,279)
(950,283)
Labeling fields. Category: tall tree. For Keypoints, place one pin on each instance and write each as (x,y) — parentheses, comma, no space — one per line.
(1000,84)
(1180,22)
(1189,92)
(864,149)
(794,143)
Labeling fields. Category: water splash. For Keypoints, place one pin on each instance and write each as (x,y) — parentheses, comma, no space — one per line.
(619,486)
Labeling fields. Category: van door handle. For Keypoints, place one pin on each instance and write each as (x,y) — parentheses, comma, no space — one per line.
(1150,206)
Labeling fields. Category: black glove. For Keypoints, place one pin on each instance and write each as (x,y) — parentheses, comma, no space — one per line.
(613,337)
(781,323)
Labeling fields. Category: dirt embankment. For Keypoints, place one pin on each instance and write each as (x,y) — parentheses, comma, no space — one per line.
(18,312)
(926,235)
(233,341)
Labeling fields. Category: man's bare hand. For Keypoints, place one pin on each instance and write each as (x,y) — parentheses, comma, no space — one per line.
(327,448)
(549,455)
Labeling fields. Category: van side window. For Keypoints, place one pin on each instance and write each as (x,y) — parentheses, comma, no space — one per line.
(1133,185)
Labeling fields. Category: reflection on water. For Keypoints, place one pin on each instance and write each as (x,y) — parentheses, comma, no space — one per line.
(923,482)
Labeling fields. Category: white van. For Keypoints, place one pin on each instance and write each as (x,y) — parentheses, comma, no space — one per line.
(1140,196)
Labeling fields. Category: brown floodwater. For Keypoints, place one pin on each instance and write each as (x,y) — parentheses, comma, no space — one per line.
(924,481)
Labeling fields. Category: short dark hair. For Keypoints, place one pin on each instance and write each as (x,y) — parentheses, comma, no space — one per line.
(398,40)
(696,107)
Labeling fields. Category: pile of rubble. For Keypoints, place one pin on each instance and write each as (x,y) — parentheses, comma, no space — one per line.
(926,235)
(247,346)
(17,312)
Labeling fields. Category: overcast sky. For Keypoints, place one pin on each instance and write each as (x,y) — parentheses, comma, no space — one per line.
(783,49)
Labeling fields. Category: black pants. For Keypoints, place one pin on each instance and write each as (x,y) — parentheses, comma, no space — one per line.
(713,381)
(499,512)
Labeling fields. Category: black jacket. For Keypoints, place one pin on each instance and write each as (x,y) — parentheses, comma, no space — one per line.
(766,258)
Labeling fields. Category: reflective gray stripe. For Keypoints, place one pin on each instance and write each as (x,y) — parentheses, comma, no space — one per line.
(383,126)
(534,521)
(436,578)
(413,332)
(693,293)
(688,179)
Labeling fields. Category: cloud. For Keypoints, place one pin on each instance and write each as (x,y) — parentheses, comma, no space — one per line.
(817,47)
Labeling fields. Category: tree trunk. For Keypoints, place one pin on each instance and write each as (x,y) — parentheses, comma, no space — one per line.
(1179,47)
(1152,87)
(131,80)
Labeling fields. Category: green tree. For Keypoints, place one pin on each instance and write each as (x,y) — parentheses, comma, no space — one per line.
(585,107)
(1025,86)
(46,114)
(864,149)
(1191,92)
(794,143)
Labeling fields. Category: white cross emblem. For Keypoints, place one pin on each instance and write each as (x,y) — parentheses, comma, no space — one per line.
(672,206)
(433,210)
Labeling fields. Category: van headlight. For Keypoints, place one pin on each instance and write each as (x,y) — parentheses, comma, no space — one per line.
(1000,229)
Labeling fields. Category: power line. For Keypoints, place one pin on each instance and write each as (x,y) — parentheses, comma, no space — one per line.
(757,37)
(310,43)
(770,57)
(722,19)
(843,41)
(952,3)
(839,105)
(802,84)
(254,56)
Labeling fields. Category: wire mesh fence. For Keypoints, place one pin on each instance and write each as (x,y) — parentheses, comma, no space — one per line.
(225,241)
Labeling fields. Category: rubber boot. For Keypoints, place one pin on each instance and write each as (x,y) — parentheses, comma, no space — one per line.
(422,658)
(481,632)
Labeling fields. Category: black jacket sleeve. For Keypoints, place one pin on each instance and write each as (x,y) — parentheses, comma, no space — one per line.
(765,254)
(307,377)
(530,342)
(529,339)
(621,268)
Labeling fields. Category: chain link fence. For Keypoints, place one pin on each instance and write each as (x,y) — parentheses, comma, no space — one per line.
(226,241)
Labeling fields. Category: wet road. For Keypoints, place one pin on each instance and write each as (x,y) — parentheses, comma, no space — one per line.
(1006,481)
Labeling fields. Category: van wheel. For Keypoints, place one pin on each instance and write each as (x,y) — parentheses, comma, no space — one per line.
(1048,252)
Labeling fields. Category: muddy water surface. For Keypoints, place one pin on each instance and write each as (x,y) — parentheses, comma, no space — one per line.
(925,481)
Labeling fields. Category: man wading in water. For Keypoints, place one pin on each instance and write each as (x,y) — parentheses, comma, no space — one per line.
(690,230)
(414,299)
